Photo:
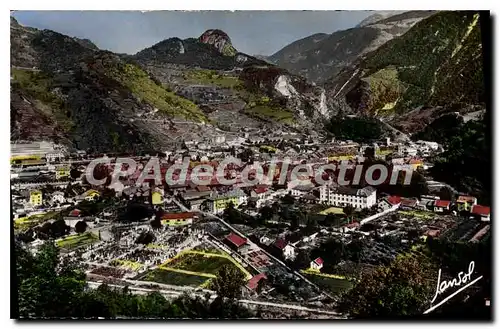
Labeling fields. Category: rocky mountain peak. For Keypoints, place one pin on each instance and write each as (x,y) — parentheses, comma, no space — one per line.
(378,16)
(13,21)
(220,40)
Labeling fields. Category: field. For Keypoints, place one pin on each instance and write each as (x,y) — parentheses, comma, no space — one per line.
(134,266)
(75,241)
(211,78)
(208,77)
(333,285)
(341,157)
(156,246)
(174,278)
(383,152)
(332,210)
(269,113)
(417,214)
(201,263)
(25,223)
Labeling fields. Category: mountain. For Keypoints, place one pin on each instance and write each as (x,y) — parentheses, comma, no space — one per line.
(378,16)
(66,89)
(210,71)
(322,56)
(434,68)
(212,50)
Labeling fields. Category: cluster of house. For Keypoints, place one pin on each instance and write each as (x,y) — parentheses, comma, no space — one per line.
(34,201)
(434,203)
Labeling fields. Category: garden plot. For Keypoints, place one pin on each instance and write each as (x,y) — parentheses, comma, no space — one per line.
(199,263)
(418,214)
(107,271)
(174,278)
(134,266)
(75,241)
(25,223)
(331,284)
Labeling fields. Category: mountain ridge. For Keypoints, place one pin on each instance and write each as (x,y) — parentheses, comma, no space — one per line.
(322,56)
(140,99)
(420,72)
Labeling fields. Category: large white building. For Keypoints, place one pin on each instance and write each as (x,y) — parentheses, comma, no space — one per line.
(342,196)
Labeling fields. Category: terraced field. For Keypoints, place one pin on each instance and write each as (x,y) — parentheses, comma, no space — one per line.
(25,223)
(75,241)
(333,285)
(200,262)
(174,278)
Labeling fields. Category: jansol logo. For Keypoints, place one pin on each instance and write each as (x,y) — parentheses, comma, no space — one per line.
(463,280)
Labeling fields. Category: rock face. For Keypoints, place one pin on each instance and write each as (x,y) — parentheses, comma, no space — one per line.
(220,40)
(322,56)
(287,93)
(437,63)
(212,50)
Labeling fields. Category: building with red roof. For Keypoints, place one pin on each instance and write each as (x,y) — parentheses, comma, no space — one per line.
(482,212)
(179,218)
(393,201)
(442,205)
(75,213)
(280,244)
(235,241)
(409,203)
(253,283)
(260,190)
(317,264)
(284,248)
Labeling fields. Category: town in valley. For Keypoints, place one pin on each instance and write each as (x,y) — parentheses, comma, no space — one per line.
(266,247)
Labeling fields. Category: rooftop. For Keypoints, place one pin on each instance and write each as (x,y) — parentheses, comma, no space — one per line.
(480,210)
(236,240)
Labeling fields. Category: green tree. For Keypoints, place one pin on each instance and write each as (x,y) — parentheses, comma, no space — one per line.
(80,226)
(402,289)
(266,213)
(232,215)
(348,211)
(46,289)
(288,199)
(229,282)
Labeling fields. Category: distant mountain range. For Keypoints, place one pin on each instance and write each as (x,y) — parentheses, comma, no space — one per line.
(406,69)
(322,56)
(434,68)
(67,89)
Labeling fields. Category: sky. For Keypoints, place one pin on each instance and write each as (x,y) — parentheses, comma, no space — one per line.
(251,32)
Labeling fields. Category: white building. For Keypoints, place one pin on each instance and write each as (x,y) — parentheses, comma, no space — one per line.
(299,190)
(317,264)
(58,197)
(432,145)
(262,195)
(54,156)
(342,196)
